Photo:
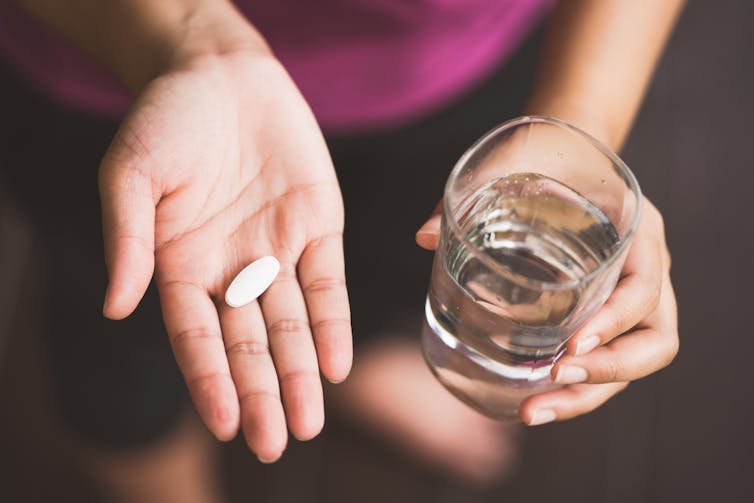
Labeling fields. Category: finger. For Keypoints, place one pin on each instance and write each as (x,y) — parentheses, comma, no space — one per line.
(194,330)
(428,236)
(631,356)
(128,211)
(294,354)
(321,270)
(262,416)
(627,358)
(567,402)
(634,298)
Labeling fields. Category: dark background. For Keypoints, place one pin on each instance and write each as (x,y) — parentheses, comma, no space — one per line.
(683,435)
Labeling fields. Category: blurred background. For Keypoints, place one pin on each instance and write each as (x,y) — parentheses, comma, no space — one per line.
(685,434)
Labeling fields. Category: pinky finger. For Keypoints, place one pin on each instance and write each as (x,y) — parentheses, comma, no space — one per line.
(568,402)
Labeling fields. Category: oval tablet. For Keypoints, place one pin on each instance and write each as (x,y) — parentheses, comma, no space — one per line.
(252,281)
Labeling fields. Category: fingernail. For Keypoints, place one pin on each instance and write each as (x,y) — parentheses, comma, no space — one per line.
(569,374)
(542,416)
(587,344)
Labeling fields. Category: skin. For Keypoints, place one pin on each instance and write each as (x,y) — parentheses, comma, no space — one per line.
(597,62)
(271,191)
(220,161)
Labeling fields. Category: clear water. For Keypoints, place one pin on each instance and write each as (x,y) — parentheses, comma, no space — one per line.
(509,309)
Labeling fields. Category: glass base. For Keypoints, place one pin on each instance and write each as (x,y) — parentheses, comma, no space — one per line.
(493,388)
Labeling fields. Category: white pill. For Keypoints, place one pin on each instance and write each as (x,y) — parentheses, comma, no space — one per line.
(252,281)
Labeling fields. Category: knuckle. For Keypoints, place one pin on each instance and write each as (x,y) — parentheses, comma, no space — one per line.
(672,350)
(142,242)
(332,323)
(666,255)
(619,322)
(205,384)
(648,301)
(258,394)
(652,211)
(324,284)
(287,326)
(194,335)
(287,273)
(652,300)
(294,376)
(248,348)
(612,369)
(620,325)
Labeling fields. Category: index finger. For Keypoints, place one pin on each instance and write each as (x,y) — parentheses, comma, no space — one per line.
(194,330)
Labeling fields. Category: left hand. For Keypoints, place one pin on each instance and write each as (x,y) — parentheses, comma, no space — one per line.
(633,335)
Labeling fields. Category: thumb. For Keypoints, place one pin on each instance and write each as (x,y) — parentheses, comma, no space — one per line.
(128,211)
(428,235)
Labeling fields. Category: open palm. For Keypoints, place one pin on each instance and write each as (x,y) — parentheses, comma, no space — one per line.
(221,162)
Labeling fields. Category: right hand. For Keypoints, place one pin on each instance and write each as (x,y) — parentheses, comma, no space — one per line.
(220,162)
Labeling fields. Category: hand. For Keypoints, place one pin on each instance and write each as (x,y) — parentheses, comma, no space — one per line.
(633,335)
(219,163)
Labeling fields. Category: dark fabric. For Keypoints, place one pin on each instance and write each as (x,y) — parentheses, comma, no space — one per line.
(117,382)
(391,182)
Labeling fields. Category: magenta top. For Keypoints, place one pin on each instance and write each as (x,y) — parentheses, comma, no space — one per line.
(361,64)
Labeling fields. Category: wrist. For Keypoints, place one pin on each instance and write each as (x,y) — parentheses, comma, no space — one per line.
(215,30)
(581,114)
(206,30)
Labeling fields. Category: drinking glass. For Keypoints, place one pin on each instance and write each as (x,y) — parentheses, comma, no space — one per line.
(536,223)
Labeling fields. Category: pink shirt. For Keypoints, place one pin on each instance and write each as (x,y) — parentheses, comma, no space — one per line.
(361,64)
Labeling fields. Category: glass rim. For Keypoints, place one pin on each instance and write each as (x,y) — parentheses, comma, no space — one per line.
(518,278)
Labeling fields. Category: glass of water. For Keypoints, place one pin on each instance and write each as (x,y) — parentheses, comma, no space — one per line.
(537,218)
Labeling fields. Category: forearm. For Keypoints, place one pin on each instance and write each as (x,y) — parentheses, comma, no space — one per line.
(597,61)
(138,39)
